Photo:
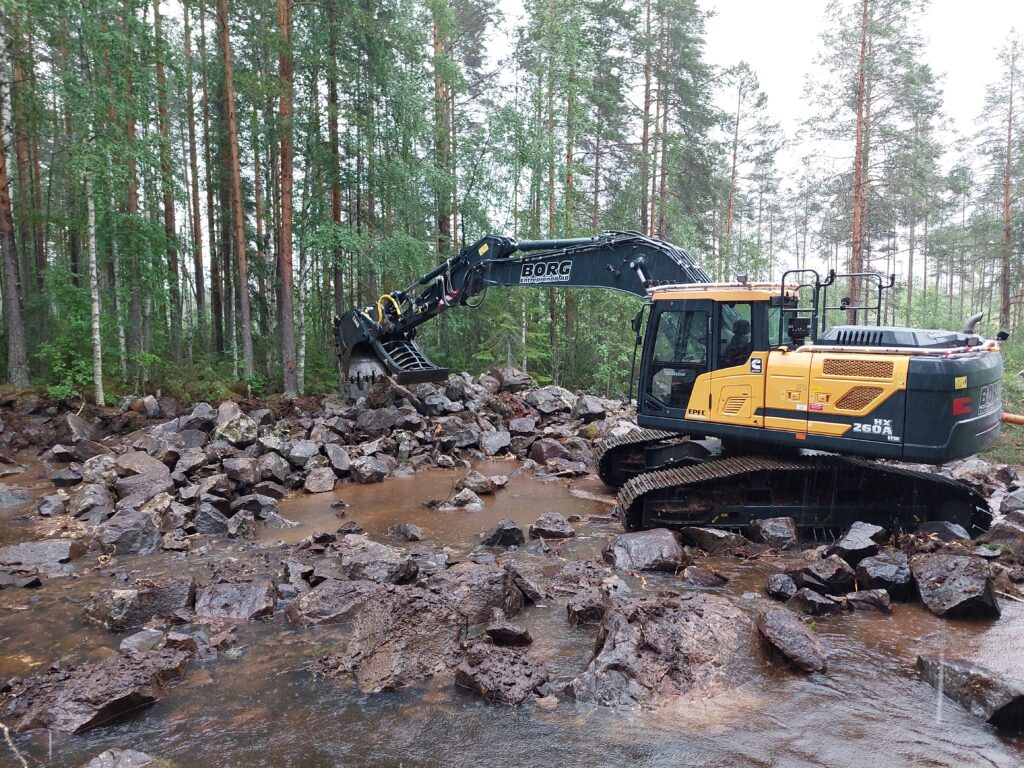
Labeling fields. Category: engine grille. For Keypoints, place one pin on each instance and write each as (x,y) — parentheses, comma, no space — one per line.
(864,369)
(857,398)
(733,405)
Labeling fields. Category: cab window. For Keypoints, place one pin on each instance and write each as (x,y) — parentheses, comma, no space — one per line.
(735,342)
(680,355)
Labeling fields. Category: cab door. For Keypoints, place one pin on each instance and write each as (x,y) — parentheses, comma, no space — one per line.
(740,361)
(677,354)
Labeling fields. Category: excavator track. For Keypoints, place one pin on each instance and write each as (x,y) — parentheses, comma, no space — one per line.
(619,458)
(824,494)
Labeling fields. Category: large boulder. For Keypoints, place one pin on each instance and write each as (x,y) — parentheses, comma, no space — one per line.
(362,558)
(475,590)
(588,408)
(1008,532)
(860,541)
(147,599)
(73,700)
(368,469)
(72,428)
(45,554)
(333,601)
(830,576)
(410,634)
(955,586)
(551,399)
(500,674)
(889,571)
(338,459)
(547,449)
(982,692)
(712,540)
(493,443)
(506,534)
(655,550)
(132,532)
(551,525)
(780,586)
(787,634)
(234,426)
(777,532)
(511,379)
(320,480)
(242,600)
(668,649)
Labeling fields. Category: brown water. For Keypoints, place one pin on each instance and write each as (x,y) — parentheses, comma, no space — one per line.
(261,708)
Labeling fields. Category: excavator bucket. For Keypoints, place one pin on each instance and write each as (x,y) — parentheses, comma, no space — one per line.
(367,353)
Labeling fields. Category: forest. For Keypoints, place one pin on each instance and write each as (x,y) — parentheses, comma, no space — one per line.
(191,190)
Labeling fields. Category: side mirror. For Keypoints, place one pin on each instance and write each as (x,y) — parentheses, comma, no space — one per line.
(638,320)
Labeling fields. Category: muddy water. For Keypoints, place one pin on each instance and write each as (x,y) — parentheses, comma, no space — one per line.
(257,706)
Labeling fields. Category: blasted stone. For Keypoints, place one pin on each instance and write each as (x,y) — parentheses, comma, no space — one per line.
(777,532)
(860,541)
(522,426)
(830,576)
(981,691)
(67,477)
(120,758)
(131,533)
(551,525)
(701,577)
(241,470)
(551,399)
(147,599)
(143,641)
(405,532)
(889,571)
(52,504)
(586,607)
(272,466)
(870,600)
(138,463)
(474,590)
(338,458)
(666,649)
(464,499)
(410,634)
(511,379)
(301,451)
(780,587)
(944,530)
(320,480)
(816,604)
(506,534)
(237,600)
(84,450)
(13,497)
(477,483)
(785,632)
(712,540)
(100,470)
(261,506)
(547,449)
(72,428)
(1008,532)
(654,550)
(139,489)
(234,426)
(588,408)
(210,520)
(362,558)
(530,591)
(41,554)
(955,586)
(504,632)
(93,694)
(368,469)
(500,674)
(493,443)
(190,460)
(333,601)
(202,418)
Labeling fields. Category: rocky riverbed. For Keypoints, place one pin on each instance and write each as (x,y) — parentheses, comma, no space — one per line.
(432,576)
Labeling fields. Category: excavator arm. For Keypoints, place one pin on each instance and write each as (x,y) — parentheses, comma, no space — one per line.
(380,339)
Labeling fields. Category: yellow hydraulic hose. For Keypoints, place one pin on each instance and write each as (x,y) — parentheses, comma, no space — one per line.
(380,307)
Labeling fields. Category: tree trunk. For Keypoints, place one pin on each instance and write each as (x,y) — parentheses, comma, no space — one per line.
(216,305)
(856,254)
(167,182)
(245,319)
(135,272)
(193,161)
(442,133)
(646,124)
(910,270)
(731,212)
(17,354)
(1007,252)
(94,295)
(115,263)
(332,123)
(291,384)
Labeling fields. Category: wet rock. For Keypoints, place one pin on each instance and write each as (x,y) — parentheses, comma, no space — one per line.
(712,540)
(368,469)
(785,632)
(242,525)
(943,530)
(210,520)
(816,604)
(660,649)
(67,477)
(136,490)
(234,426)
(203,418)
(889,571)
(1008,533)
(261,506)
(20,581)
(52,504)
(500,674)
(551,525)
(320,480)
(333,601)
(522,426)
(100,470)
(1012,502)
(131,533)
(147,599)
(831,576)
(586,607)
(362,558)
(511,379)
(860,541)
(138,463)
(94,694)
(405,532)
(13,497)
(780,586)
(506,534)
(47,553)
(982,692)
(72,428)
(870,600)
(464,499)
(701,577)
(493,443)
(411,634)
(475,590)
(551,399)
(120,758)
(504,632)
(531,593)
(547,449)
(143,641)
(476,482)
(271,489)
(237,600)
(272,466)
(588,408)
(955,586)
(338,459)
(777,532)
(653,550)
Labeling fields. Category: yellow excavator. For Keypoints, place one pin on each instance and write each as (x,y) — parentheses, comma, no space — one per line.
(749,403)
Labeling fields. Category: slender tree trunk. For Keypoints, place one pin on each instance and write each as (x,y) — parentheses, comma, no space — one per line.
(910,270)
(193,161)
(663,186)
(596,209)
(17,352)
(216,305)
(167,182)
(646,124)
(442,131)
(731,212)
(857,253)
(1007,251)
(94,295)
(332,128)
(291,384)
(132,210)
(115,263)
(245,319)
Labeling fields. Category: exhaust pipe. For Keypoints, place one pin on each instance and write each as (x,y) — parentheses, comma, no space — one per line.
(972,322)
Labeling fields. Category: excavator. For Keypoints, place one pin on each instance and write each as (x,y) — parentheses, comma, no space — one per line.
(749,403)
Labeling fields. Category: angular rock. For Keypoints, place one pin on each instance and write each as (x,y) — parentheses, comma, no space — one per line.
(464,499)
(653,550)
(368,469)
(143,641)
(776,532)
(504,632)
(530,591)
(210,520)
(362,558)
(944,530)
(67,477)
(780,586)
(860,541)
(870,600)
(320,480)
(666,649)
(147,599)
(338,459)
(72,428)
(830,576)
(500,674)
(586,607)
(588,408)
(203,417)
(982,692)
(551,399)
(1008,533)
(889,571)
(493,443)
(816,604)
(234,426)
(511,379)
(333,601)
(41,554)
(261,506)
(712,540)
(405,532)
(787,634)
(699,576)
(138,463)
(136,490)
(506,534)
(547,449)
(955,586)
(237,600)
(301,451)
(120,758)
(93,694)
(522,426)
(476,482)
(551,525)
(475,590)
(52,504)
(131,532)
(241,470)
(13,497)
